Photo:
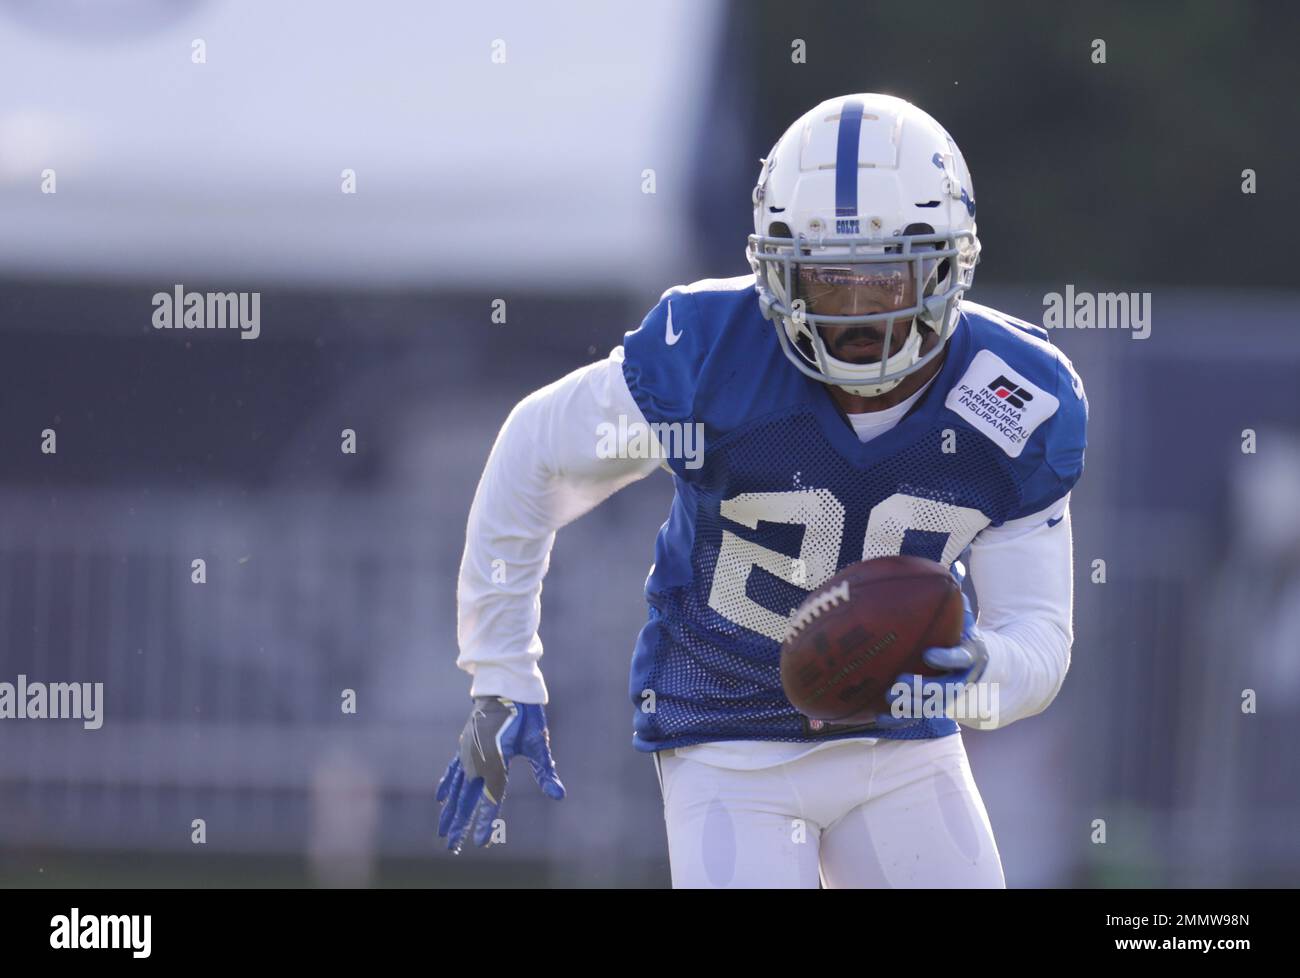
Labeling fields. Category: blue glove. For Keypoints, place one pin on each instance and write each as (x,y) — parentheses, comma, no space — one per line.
(961,664)
(474,786)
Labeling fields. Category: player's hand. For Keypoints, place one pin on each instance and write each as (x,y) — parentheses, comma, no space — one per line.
(961,665)
(475,783)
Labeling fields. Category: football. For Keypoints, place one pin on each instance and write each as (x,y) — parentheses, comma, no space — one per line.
(856,633)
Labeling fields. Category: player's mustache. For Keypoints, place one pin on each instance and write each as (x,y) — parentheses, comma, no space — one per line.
(851,334)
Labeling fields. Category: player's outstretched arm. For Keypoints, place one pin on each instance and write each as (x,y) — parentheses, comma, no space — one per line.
(556,457)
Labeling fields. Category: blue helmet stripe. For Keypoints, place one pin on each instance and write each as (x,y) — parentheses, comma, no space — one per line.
(846,160)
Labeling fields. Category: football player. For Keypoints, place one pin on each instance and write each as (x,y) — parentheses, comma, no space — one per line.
(851,404)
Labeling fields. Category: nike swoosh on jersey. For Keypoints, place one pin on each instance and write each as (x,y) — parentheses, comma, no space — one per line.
(669,336)
(1055,521)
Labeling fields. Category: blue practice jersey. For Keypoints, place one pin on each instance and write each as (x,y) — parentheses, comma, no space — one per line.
(784,495)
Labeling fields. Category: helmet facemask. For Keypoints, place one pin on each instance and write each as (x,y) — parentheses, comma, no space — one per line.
(849,294)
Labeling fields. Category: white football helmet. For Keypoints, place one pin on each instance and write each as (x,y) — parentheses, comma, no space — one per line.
(869,192)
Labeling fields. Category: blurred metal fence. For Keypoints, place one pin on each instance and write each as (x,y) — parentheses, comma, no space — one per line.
(223,700)
(230,688)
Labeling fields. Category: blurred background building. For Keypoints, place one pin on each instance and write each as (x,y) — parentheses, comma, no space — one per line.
(506,153)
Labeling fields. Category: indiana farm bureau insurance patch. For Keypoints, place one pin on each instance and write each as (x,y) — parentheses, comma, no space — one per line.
(1000,402)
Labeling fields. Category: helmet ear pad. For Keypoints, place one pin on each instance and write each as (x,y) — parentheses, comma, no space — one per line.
(800,333)
(935,282)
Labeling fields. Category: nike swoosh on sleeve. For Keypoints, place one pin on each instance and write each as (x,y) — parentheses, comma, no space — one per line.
(1055,521)
(669,336)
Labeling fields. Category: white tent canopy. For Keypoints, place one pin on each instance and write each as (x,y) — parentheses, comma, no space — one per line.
(467,171)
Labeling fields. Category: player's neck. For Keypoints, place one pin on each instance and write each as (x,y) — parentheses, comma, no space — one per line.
(856,404)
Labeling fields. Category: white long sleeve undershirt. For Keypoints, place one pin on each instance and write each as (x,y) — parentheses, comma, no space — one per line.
(547,468)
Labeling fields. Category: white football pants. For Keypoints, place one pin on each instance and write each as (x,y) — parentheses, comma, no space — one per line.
(893,813)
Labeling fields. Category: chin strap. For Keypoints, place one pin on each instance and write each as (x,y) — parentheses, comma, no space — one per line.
(905,357)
